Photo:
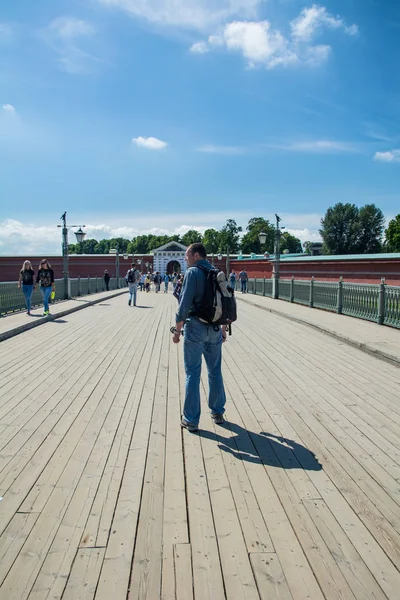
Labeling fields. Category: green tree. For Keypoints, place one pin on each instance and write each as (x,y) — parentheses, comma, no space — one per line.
(347,229)
(307,247)
(229,236)
(372,224)
(340,229)
(291,243)
(191,237)
(392,235)
(251,243)
(122,244)
(102,247)
(211,241)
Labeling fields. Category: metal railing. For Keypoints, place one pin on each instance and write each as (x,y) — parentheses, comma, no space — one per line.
(12,298)
(374,302)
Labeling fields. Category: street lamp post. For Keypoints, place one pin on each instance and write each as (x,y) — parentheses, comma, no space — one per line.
(116,252)
(277,258)
(227,262)
(80,236)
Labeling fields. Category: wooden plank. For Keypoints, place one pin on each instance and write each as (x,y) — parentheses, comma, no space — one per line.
(183,572)
(145,582)
(358,576)
(271,581)
(207,575)
(115,573)
(41,538)
(85,572)
(381,567)
(13,539)
(175,523)
(238,577)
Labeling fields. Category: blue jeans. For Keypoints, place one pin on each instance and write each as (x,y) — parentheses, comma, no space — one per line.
(243,285)
(45,291)
(27,289)
(199,340)
(132,292)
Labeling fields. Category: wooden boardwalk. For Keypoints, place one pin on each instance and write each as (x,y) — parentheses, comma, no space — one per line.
(104,497)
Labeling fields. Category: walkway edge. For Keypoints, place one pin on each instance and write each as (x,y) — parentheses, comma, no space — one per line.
(17,330)
(390,358)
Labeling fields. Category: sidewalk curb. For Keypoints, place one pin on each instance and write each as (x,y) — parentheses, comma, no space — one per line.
(393,360)
(17,330)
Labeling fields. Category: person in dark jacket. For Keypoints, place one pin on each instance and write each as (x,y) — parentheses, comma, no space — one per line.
(106,279)
(27,281)
(45,277)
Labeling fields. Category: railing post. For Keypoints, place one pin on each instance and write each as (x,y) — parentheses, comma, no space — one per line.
(292,289)
(97,284)
(312,292)
(79,286)
(88,284)
(339,304)
(255,286)
(381,302)
(263,286)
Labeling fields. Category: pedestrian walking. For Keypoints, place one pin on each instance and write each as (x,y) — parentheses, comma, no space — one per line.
(106,279)
(147,282)
(200,339)
(243,281)
(141,281)
(132,279)
(232,279)
(166,283)
(45,277)
(157,281)
(27,282)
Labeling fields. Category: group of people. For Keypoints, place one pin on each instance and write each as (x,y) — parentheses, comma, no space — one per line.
(242,278)
(44,279)
(135,279)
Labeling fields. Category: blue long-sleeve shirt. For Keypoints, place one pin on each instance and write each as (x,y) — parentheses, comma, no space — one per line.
(192,290)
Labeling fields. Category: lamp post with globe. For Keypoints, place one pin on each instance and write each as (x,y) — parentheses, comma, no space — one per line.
(80,236)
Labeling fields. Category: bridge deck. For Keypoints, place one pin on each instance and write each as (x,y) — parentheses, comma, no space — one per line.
(296,497)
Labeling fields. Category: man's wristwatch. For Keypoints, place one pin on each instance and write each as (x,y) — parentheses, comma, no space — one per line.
(175,330)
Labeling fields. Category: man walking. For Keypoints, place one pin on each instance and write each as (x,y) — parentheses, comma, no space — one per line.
(157,281)
(132,278)
(200,339)
(106,279)
(243,281)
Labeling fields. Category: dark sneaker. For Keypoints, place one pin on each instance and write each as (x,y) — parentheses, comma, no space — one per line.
(188,426)
(129,302)
(218,419)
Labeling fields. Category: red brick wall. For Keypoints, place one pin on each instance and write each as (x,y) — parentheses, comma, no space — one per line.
(358,271)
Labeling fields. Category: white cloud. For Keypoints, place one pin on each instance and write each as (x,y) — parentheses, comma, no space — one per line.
(263,45)
(69,27)
(310,20)
(28,239)
(320,146)
(199,48)
(258,43)
(69,38)
(192,14)
(389,156)
(229,150)
(8,108)
(151,143)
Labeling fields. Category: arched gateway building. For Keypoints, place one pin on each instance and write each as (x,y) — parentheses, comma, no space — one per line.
(169,258)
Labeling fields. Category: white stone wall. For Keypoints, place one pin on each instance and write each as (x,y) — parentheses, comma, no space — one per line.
(161,260)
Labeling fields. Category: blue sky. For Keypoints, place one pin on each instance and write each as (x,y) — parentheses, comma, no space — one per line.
(164,115)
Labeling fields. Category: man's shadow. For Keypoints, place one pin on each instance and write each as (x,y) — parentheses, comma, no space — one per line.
(269,449)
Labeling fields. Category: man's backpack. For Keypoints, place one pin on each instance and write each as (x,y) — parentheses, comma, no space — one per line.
(218,306)
(132,276)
